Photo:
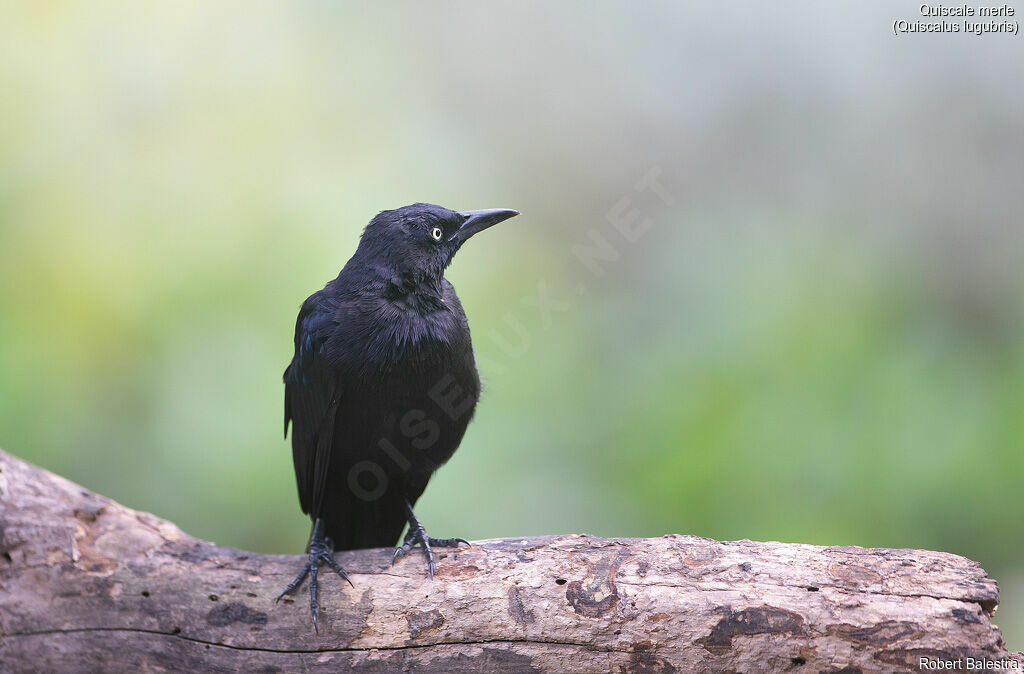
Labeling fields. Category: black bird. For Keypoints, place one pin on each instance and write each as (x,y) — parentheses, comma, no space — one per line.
(382,385)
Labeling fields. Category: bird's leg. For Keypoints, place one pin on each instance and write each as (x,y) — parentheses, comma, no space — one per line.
(321,549)
(417,535)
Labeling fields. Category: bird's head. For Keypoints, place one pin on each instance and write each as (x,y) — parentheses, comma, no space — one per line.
(420,240)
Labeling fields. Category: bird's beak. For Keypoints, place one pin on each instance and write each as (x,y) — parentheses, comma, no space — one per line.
(478,221)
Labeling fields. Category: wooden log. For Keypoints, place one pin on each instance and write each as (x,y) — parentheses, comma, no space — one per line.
(89,585)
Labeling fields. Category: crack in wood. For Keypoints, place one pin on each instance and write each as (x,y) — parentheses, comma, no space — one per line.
(288,651)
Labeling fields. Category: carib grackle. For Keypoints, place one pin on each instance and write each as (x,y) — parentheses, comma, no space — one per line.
(382,386)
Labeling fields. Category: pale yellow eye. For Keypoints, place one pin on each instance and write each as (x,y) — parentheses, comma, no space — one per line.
(436,233)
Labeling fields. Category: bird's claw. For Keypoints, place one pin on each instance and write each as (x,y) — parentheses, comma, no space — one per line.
(321,551)
(418,536)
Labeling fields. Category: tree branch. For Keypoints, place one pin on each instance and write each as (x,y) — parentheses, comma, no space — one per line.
(87,585)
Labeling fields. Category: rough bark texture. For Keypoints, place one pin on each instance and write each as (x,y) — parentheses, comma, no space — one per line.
(89,585)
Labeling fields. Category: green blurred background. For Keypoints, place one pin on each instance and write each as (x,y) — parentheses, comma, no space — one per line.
(818,338)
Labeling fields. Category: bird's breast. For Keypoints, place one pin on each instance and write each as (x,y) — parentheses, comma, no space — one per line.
(377,338)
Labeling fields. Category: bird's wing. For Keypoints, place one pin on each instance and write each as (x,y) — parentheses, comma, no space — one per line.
(311,395)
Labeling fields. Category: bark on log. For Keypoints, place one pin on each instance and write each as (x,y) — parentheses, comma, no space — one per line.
(89,585)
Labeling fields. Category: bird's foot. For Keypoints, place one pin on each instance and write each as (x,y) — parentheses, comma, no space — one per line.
(321,551)
(417,535)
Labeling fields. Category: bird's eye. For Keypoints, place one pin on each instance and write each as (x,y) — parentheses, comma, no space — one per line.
(436,233)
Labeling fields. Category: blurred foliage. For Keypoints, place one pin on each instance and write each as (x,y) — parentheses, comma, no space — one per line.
(819,339)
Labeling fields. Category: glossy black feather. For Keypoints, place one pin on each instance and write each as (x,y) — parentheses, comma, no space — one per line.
(383,382)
